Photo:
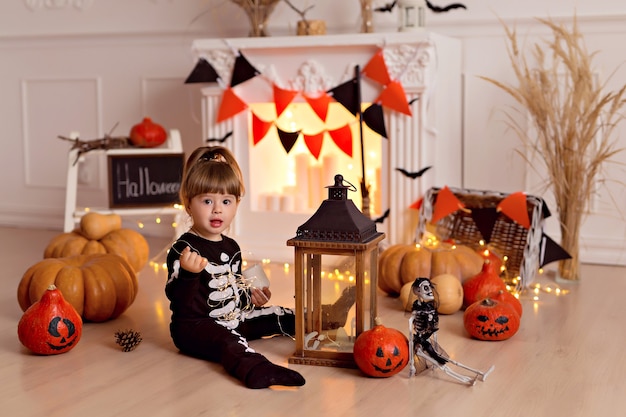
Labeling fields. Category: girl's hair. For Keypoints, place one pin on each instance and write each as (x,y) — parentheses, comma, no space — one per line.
(211,169)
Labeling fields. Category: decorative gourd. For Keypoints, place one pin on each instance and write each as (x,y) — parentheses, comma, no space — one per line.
(448,294)
(95,226)
(147,134)
(492,256)
(51,325)
(127,243)
(506,297)
(481,285)
(407,296)
(381,351)
(100,287)
(489,319)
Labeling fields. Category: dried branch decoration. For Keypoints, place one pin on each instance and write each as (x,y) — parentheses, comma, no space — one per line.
(573,120)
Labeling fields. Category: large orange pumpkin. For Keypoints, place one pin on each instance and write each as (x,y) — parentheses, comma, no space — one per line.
(99,286)
(127,243)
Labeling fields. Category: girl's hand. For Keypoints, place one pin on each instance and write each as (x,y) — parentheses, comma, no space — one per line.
(192,261)
(260,296)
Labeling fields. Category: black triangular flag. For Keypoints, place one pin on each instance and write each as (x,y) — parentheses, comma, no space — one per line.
(485,219)
(347,95)
(287,139)
(242,71)
(551,251)
(374,118)
(545,211)
(203,72)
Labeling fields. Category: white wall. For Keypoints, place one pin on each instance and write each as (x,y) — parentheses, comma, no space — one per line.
(88,65)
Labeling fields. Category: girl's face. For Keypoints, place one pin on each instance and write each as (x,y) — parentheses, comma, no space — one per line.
(212,213)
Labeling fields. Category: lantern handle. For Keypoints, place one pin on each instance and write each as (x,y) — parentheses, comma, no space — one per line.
(340,181)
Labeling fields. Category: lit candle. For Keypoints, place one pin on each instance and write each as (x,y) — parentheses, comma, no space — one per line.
(316,189)
(302,176)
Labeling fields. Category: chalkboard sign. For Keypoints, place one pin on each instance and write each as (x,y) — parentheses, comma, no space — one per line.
(144,180)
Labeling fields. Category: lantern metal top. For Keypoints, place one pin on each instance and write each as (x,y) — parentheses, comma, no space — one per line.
(338,219)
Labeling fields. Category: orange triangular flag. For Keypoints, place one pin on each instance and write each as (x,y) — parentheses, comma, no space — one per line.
(376,69)
(343,138)
(259,128)
(417,204)
(282,98)
(230,105)
(393,97)
(314,143)
(319,104)
(446,203)
(515,208)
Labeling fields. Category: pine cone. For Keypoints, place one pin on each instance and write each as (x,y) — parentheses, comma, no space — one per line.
(127,339)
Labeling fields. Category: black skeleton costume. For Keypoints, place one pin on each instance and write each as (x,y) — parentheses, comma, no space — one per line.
(213,316)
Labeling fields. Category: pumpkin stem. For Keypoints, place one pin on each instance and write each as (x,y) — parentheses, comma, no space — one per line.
(378,321)
(488,302)
(51,287)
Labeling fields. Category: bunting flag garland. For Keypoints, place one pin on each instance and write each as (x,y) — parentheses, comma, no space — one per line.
(230,105)
(282,98)
(485,219)
(319,104)
(242,71)
(446,203)
(374,118)
(346,95)
(551,251)
(259,128)
(203,72)
(514,207)
(287,139)
(314,143)
(343,139)
(376,69)
(394,97)
(417,204)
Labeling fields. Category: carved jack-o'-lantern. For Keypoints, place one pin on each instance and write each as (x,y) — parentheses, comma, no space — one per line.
(381,351)
(51,325)
(489,319)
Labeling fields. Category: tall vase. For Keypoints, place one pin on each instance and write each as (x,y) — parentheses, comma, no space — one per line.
(570,223)
(258,12)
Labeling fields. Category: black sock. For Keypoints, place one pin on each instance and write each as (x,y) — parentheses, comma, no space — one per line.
(266,374)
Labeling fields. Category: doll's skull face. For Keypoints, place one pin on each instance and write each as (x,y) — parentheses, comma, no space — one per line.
(423,289)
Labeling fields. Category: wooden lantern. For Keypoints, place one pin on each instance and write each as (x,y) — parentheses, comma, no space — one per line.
(325,331)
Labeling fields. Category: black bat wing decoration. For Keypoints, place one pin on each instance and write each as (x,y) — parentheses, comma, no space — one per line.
(438,9)
(222,139)
(382,218)
(414,175)
(387,7)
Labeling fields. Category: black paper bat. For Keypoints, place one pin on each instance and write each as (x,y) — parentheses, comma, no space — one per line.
(438,9)
(382,218)
(413,175)
(414,100)
(387,7)
(222,139)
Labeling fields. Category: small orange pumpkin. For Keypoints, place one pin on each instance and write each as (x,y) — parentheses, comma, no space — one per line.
(51,325)
(489,319)
(381,351)
(482,285)
(100,286)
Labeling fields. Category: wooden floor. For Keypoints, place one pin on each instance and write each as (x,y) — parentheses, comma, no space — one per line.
(567,360)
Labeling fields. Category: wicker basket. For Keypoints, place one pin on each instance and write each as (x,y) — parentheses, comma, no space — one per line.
(522,246)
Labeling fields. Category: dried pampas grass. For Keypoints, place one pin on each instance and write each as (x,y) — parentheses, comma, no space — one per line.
(573,119)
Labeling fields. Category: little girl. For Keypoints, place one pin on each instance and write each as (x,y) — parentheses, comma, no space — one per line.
(214,313)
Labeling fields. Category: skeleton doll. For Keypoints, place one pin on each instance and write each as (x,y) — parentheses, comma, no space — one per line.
(423,327)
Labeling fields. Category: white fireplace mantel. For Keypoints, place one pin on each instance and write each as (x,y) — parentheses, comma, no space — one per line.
(427,64)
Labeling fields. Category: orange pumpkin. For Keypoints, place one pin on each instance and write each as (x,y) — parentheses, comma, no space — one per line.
(100,286)
(127,243)
(51,325)
(482,285)
(400,264)
(381,351)
(489,319)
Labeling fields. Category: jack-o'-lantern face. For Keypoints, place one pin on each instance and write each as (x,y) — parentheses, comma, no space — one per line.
(491,320)
(62,332)
(381,352)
